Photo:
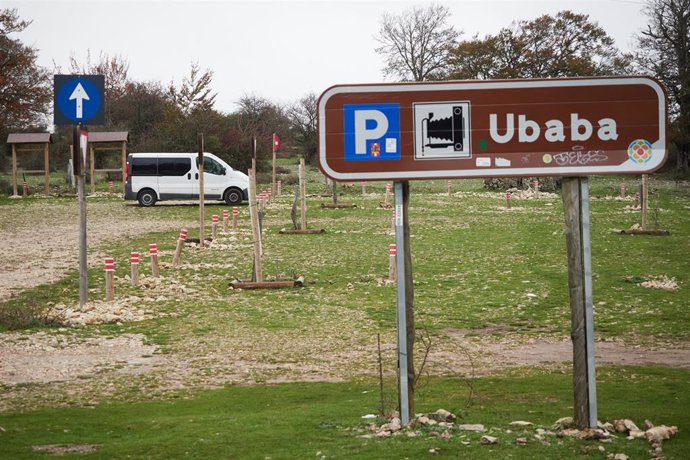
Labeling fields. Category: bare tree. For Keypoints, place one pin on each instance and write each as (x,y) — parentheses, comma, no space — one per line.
(416,44)
(664,51)
(114,68)
(303,118)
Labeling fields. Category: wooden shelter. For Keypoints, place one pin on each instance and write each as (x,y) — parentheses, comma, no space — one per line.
(30,142)
(107,142)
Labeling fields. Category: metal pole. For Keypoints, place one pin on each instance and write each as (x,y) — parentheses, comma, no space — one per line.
(401,307)
(202,214)
(80,167)
(589,303)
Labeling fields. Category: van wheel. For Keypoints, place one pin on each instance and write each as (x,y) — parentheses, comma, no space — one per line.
(233,196)
(146,198)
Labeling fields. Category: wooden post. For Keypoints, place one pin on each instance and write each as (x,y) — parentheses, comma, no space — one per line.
(392,272)
(388,192)
(226,219)
(180,245)
(364,188)
(335,193)
(273,150)
(235,214)
(124,164)
(622,190)
(256,231)
(134,262)
(153,252)
(214,227)
(46,165)
(303,194)
(536,189)
(14,170)
(576,209)
(109,279)
(280,186)
(509,196)
(645,200)
(92,168)
(393,223)
(450,188)
(202,214)
(25,189)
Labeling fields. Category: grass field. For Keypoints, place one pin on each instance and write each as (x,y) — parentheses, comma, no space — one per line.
(499,276)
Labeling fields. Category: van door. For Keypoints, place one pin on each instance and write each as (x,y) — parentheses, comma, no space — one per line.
(214,179)
(175,178)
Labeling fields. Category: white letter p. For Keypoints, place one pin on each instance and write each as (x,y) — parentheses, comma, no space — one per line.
(362,134)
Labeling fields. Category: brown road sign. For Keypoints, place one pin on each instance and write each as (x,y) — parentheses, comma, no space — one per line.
(551,127)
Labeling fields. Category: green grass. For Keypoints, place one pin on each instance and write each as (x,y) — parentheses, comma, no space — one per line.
(476,266)
(300,420)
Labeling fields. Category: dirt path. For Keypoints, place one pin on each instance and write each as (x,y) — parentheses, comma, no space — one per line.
(35,253)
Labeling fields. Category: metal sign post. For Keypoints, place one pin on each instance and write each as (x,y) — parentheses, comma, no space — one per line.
(402,304)
(79,148)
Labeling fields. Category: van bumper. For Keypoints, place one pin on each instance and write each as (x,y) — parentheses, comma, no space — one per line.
(129,194)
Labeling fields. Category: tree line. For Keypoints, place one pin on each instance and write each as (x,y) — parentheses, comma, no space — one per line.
(420,44)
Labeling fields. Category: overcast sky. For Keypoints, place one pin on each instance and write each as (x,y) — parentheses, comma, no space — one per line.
(280,50)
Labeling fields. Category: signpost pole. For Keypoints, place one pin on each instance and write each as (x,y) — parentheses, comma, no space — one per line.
(79,166)
(404,303)
(273,150)
(576,207)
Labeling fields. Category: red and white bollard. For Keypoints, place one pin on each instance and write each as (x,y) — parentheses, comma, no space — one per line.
(235,214)
(509,196)
(637,199)
(180,245)
(536,189)
(226,219)
(111,186)
(134,263)
(25,188)
(393,223)
(622,190)
(364,188)
(388,192)
(214,226)
(450,188)
(269,194)
(392,263)
(153,252)
(109,279)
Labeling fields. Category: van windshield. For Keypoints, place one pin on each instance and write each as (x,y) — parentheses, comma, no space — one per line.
(211,166)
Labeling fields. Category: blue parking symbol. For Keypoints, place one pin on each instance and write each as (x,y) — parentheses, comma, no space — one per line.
(372,132)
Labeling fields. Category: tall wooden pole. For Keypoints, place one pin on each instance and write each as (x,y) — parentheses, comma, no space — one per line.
(303,194)
(46,166)
(256,231)
(576,208)
(124,164)
(274,190)
(14,170)
(202,214)
(645,200)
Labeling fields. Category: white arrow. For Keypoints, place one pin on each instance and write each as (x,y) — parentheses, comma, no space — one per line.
(80,95)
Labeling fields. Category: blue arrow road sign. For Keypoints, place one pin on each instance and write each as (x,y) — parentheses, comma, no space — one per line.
(79,99)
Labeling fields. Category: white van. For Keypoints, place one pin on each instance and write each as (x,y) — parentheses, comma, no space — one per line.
(151,177)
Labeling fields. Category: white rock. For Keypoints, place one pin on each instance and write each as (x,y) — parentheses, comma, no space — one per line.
(521,423)
(486,439)
(478,427)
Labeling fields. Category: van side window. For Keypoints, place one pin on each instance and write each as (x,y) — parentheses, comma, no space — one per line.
(174,166)
(211,166)
(145,166)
